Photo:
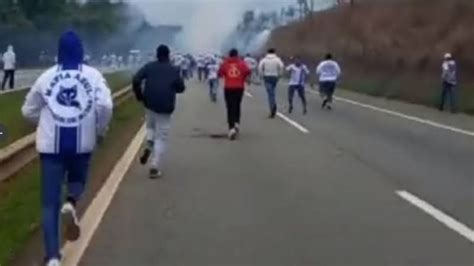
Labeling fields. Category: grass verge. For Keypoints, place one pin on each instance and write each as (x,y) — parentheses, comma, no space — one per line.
(10,108)
(20,197)
(409,87)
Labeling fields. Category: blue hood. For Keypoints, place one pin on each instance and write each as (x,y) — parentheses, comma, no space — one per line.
(70,51)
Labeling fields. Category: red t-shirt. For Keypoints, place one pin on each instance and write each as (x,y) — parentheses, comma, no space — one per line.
(235,72)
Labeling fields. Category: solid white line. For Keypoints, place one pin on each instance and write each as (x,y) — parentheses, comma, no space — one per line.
(73,251)
(405,116)
(408,117)
(445,219)
(293,123)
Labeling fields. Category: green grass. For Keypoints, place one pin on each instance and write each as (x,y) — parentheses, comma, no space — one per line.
(20,197)
(10,108)
(412,88)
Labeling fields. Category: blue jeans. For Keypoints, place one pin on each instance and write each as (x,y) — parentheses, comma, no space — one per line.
(270,86)
(301,93)
(54,171)
(213,84)
(449,90)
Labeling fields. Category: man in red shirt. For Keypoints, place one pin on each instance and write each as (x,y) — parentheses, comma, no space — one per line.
(235,72)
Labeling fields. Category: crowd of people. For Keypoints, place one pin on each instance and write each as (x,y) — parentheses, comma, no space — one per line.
(72,106)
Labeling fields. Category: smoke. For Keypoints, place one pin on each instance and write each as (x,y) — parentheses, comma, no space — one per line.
(207,24)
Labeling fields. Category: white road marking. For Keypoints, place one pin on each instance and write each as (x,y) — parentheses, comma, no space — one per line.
(405,116)
(445,219)
(73,252)
(293,123)
(285,118)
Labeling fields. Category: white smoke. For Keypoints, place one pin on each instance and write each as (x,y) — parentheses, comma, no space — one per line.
(206,23)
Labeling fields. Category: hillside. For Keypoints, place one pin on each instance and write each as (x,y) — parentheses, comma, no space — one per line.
(390,48)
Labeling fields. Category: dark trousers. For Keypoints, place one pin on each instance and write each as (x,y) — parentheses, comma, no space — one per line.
(327,89)
(55,170)
(449,90)
(301,93)
(202,73)
(233,100)
(8,76)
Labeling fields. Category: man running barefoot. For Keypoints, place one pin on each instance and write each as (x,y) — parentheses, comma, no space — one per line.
(298,74)
(72,105)
(156,85)
(235,72)
(328,73)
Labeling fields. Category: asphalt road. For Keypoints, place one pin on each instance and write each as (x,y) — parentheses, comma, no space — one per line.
(278,196)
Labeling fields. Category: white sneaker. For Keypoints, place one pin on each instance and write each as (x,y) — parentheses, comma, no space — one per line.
(53,262)
(73,230)
(232,134)
(237,127)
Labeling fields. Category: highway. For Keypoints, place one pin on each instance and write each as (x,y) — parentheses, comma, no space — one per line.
(354,186)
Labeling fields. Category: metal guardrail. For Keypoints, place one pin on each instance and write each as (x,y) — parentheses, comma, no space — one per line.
(17,148)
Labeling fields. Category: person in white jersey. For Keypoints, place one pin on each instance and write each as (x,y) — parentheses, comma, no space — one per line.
(213,79)
(72,105)
(328,73)
(298,75)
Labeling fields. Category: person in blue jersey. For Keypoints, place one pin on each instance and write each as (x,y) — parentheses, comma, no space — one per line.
(72,106)
(298,75)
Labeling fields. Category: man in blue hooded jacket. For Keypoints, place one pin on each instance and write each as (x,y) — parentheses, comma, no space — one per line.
(72,105)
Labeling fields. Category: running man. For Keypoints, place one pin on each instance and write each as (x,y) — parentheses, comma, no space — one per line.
(156,85)
(328,73)
(235,72)
(252,64)
(271,67)
(201,67)
(213,79)
(72,105)
(298,74)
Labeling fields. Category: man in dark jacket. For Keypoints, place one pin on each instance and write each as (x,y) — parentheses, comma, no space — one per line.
(156,85)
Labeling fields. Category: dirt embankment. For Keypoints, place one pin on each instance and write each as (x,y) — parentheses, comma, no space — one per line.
(390,48)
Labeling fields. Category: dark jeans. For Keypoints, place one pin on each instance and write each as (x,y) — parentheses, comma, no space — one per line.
(8,75)
(327,89)
(301,93)
(233,100)
(54,170)
(449,90)
(202,73)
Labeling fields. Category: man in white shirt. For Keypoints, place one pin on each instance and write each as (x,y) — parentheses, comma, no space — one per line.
(213,79)
(72,105)
(298,75)
(9,64)
(328,73)
(271,68)
(252,64)
(450,81)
